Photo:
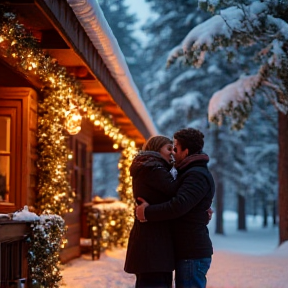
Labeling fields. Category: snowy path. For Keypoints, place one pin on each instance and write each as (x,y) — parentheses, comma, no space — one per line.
(241,260)
(231,270)
(228,270)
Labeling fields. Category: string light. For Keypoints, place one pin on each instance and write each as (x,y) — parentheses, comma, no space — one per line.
(108,226)
(73,120)
(58,88)
(124,188)
(70,156)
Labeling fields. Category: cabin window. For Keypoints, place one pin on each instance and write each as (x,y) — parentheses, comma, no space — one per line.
(10,158)
(5,157)
(18,125)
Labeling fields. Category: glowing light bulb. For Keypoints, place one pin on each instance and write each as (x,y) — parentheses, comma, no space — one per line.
(73,121)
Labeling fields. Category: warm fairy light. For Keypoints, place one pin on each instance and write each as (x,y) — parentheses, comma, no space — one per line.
(115,146)
(124,143)
(1,39)
(73,121)
(113,223)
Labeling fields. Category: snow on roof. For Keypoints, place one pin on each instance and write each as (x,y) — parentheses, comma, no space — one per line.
(92,19)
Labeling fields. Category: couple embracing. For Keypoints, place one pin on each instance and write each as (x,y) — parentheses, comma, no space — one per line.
(170,232)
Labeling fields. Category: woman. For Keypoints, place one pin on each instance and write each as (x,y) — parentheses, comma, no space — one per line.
(150,253)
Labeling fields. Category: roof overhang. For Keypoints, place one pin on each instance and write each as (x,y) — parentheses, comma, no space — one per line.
(61,34)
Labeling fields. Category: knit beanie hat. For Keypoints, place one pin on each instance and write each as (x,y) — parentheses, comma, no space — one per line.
(155,143)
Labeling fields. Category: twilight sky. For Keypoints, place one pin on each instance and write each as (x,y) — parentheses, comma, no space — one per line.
(141,8)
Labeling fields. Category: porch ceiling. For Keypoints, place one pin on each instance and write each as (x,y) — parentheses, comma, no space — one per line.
(57,43)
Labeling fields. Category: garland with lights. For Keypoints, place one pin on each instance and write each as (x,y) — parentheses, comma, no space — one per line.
(44,241)
(43,255)
(61,97)
(60,92)
(124,188)
(107,225)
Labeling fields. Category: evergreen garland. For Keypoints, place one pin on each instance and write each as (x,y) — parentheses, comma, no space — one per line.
(43,254)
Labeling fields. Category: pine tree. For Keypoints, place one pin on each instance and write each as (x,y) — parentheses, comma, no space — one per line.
(262,24)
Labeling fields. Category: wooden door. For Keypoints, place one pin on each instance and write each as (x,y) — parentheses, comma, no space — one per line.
(80,171)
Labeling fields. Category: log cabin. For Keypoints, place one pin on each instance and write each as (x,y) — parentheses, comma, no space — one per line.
(74,43)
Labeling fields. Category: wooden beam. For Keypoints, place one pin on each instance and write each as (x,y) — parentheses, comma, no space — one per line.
(52,40)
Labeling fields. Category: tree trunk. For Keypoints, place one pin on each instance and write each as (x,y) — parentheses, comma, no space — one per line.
(283,177)
(265,215)
(274,213)
(219,208)
(241,212)
(218,177)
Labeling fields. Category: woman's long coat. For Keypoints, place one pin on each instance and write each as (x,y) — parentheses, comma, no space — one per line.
(150,246)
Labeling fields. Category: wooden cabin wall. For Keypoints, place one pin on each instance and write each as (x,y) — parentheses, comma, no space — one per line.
(80,169)
(32,150)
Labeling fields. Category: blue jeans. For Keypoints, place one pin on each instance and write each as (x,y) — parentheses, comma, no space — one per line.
(191,273)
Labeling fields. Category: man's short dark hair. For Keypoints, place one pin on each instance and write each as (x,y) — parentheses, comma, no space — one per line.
(190,138)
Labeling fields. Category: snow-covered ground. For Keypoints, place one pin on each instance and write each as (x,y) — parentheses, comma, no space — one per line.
(250,259)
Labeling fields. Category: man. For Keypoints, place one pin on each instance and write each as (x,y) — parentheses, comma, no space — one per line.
(193,247)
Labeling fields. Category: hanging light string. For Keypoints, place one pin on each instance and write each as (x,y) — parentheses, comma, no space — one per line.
(21,50)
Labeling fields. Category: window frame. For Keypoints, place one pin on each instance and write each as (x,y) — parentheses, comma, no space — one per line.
(14,103)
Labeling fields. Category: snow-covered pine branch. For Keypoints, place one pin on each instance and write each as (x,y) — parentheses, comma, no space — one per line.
(241,25)
(235,99)
(234,26)
(212,5)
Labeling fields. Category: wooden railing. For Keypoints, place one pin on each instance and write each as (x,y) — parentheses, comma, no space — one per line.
(13,254)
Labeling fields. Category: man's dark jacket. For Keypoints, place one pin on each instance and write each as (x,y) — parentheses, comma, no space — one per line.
(188,207)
